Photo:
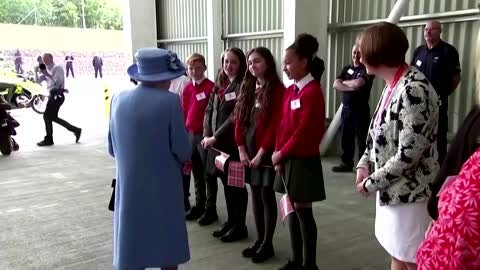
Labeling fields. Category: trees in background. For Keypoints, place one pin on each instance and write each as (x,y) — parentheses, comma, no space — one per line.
(103,14)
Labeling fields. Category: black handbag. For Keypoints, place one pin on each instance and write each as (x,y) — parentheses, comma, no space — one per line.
(111,205)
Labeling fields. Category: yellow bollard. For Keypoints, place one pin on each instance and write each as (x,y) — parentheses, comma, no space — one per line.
(106,96)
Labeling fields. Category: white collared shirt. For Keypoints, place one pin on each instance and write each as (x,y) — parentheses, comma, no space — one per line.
(304,81)
(199,81)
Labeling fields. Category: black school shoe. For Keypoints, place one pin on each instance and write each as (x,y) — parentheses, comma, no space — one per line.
(222,230)
(209,217)
(237,232)
(46,142)
(195,213)
(342,168)
(264,253)
(291,266)
(252,250)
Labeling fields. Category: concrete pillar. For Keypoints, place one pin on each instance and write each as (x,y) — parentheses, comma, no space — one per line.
(214,37)
(306,16)
(139,25)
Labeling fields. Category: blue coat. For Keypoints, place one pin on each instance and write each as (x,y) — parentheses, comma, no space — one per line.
(149,141)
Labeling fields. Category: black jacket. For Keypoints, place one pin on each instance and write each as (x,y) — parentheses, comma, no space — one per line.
(466,142)
(219,122)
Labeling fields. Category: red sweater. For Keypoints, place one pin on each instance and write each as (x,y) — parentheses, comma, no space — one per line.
(301,130)
(267,123)
(194,102)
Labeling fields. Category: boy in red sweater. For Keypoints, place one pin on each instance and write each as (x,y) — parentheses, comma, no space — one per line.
(194,101)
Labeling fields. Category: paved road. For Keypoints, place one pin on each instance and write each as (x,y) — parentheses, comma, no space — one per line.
(53,203)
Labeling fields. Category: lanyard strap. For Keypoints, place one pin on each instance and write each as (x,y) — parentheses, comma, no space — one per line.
(389,94)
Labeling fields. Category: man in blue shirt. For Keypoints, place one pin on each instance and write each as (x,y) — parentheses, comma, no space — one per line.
(440,63)
(355,85)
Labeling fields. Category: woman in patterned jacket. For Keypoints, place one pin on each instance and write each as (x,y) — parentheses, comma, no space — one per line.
(400,161)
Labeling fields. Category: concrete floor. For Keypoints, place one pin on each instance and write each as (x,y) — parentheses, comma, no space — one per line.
(53,206)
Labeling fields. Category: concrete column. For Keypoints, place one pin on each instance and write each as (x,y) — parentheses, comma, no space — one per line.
(139,25)
(214,37)
(306,16)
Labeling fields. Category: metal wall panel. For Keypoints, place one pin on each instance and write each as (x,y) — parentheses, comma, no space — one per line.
(274,44)
(248,16)
(252,23)
(461,34)
(181,18)
(182,26)
(184,50)
(360,10)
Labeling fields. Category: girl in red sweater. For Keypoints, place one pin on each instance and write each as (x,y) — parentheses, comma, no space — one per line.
(297,152)
(256,119)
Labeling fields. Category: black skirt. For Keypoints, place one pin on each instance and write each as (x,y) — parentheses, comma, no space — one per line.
(264,175)
(303,179)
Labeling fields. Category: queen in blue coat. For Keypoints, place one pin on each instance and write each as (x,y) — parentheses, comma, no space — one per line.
(148,139)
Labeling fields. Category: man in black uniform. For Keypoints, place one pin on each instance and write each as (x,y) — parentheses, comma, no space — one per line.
(355,85)
(440,63)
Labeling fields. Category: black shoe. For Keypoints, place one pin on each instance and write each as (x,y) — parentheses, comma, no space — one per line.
(15,145)
(291,266)
(342,168)
(237,232)
(195,213)
(251,250)
(222,230)
(209,217)
(187,205)
(78,133)
(264,253)
(45,142)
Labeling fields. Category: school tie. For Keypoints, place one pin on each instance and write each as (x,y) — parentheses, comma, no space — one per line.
(296,89)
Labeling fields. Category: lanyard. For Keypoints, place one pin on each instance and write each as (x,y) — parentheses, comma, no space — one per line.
(385,101)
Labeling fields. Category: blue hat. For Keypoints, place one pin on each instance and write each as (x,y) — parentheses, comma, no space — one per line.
(155,65)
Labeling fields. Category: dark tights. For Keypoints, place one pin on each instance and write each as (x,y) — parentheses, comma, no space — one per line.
(303,237)
(264,207)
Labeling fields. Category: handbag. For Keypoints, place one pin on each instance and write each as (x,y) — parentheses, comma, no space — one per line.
(111,205)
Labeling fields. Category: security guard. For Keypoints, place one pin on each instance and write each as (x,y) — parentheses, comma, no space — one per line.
(440,63)
(355,85)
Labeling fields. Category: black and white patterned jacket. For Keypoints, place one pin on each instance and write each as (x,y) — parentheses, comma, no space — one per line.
(403,149)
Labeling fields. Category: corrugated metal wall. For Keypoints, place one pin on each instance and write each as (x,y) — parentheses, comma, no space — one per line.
(348,18)
(252,23)
(182,26)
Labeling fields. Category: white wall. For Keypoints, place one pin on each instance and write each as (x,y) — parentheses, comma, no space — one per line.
(139,24)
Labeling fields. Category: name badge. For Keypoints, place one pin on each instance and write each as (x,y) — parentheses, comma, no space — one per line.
(350,71)
(201,96)
(230,96)
(418,63)
(295,104)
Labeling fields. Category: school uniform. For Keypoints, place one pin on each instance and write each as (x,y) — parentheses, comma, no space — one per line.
(298,139)
(219,122)
(194,102)
(261,133)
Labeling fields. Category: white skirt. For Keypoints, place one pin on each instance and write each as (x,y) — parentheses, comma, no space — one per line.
(400,229)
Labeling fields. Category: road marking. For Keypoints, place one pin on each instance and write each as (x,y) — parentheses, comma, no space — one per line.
(58,175)
(9,182)
(14,210)
(44,206)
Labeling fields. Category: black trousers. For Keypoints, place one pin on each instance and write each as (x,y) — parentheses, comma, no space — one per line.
(69,68)
(98,71)
(206,188)
(55,101)
(442,131)
(236,200)
(355,124)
